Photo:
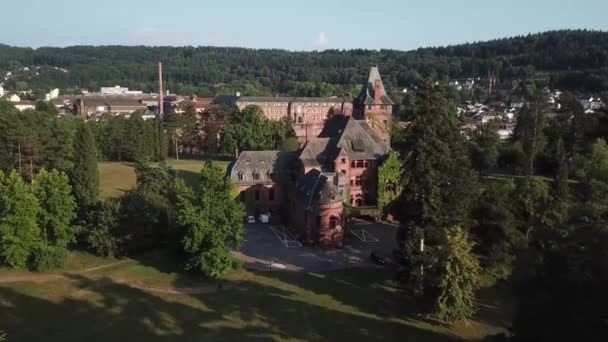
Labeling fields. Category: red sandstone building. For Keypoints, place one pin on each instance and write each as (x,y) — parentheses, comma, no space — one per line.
(308,114)
(337,165)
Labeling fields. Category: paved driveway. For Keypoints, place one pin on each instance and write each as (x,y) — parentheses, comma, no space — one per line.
(270,248)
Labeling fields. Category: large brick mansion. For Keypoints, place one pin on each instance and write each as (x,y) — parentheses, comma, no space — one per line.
(343,145)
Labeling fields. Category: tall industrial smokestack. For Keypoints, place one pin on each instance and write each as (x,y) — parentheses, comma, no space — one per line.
(161,102)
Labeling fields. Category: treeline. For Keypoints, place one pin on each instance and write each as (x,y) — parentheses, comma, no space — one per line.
(130,139)
(543,236)
(43,214)
(568,59)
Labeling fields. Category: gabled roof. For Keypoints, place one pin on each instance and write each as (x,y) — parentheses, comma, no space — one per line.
(316,152)
(366,97)
(352,137)
(268,166)
(316,187)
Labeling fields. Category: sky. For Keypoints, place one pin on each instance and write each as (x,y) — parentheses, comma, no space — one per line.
(288,24)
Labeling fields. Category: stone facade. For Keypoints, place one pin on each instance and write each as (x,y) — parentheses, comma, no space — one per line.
(308,114)
(342,146)
(374,106)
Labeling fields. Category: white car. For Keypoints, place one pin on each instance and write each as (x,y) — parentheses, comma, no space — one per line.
(264,218)
(250,219)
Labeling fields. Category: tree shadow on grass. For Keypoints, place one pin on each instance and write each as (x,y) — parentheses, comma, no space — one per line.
(108,311)
(373,291)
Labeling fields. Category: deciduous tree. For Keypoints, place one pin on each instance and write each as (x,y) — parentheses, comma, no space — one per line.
(213,223)
(19,231)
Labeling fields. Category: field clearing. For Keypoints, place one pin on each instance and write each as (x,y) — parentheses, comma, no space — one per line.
(116,178)
(140,300)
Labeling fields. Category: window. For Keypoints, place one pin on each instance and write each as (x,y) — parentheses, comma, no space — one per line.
(241,177)
(334,222)
(271,194)
(257,195)
(343,172)
(365,163)
(358,180)
(352,182)
(369,107)
(359,163)
(353,164)
(256,176)
(385,124)
(343,160)
(300,120)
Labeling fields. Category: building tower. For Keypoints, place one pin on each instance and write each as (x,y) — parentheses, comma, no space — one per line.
(491,83)
(161,100)
(374,106)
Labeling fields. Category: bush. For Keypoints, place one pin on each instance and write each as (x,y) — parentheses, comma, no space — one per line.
(101,223)
(48,258)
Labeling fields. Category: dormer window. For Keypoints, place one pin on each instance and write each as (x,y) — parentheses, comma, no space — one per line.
(241,176)
(256,176)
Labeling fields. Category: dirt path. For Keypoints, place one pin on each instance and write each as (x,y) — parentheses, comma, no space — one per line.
(40,278)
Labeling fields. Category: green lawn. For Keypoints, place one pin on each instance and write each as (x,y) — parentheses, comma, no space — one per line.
(116,178)
(351,305)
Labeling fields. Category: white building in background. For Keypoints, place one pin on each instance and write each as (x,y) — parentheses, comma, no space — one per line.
(1,91)
(118,90)
(14,98)
(53,94)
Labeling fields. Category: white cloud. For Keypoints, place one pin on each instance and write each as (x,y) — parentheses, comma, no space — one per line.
(323,39)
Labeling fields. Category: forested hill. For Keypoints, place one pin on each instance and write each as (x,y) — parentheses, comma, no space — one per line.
(576,60)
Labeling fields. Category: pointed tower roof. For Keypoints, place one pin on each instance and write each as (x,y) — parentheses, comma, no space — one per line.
(367,95)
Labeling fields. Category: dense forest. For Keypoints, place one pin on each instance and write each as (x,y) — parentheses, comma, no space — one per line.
(568,59)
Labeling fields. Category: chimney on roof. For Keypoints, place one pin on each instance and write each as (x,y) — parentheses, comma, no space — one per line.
(160,89)
(377,92)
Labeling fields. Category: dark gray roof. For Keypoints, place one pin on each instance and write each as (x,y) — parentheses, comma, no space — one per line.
(355,138)
(366,96)
(316,152)
(225,100)
(316,187)
(268,166)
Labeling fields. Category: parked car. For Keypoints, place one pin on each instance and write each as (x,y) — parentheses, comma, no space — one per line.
(250,219)
(264,218)
(379,259)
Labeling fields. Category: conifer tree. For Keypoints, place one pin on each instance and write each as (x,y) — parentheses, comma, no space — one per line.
(84,175)
(459,277)
(439,187)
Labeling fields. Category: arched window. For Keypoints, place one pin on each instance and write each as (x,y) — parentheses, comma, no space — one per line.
(334,222)
(300,120)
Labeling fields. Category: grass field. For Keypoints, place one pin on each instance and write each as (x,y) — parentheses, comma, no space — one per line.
(123,303)
(116,178)
(150,299)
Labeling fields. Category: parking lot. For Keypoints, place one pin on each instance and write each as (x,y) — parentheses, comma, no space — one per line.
(269,247)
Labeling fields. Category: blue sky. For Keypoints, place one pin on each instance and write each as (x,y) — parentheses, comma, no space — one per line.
(293,25)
